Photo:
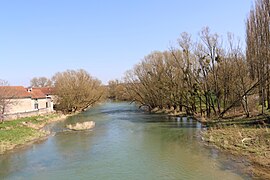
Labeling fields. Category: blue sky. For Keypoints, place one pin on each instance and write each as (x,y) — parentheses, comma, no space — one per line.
(106,38)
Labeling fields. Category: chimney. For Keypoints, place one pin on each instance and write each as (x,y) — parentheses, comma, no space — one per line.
(29,89)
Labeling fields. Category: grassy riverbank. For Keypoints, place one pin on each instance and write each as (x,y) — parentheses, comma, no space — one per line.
(252,143)
(24,130)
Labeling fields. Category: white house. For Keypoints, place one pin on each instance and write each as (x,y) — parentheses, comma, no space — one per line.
(18,101)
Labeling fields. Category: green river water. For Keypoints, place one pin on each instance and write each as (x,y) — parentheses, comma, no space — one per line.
(125,144)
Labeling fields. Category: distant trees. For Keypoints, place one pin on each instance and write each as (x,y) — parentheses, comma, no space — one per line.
(76,90)
(117,90)
(196,77)
(40,82)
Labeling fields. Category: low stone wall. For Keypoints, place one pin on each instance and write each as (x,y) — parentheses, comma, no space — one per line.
(27,114)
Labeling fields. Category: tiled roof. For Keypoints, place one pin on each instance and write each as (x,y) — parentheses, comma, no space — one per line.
(22,92)
(46,90)
(37,94)
(14,92)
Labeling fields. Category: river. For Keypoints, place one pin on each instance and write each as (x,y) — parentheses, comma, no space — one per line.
(125,144)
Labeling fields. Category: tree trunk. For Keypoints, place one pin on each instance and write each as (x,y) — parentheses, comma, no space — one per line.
(268,96)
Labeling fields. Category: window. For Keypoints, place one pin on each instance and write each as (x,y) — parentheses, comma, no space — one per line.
(36,104)
(47,104)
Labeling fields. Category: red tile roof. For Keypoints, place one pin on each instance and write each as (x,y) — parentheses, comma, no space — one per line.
(14,92)
(22,92)
(46,90)
(37,94)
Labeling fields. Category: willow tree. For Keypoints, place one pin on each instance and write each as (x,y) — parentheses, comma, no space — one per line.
(76,90)
(150,81)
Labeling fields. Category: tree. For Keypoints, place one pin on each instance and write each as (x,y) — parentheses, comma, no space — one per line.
(212,50)
(196,77)
(257,49)
(40,82)
(6,98)
(117,90)
(76,90)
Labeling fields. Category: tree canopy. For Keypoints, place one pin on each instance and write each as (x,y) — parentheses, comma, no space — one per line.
(76,90)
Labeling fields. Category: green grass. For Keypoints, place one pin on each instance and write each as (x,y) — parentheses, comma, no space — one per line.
(14,133)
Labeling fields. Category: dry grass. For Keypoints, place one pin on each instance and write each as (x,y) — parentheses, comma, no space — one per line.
(253,143)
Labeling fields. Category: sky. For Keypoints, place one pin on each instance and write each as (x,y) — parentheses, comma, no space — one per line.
(106,38)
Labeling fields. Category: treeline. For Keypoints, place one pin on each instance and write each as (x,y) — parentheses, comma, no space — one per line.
(211,76)
(116,91)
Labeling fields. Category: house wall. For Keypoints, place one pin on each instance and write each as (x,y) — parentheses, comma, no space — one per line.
(26,107)
(19,105)
(42,103)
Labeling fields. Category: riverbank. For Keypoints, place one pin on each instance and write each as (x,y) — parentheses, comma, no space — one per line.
(251,143)
(23,131)
(247,139)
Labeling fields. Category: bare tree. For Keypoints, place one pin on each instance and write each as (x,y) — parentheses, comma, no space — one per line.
(257,50)
(76,90)
(7,97)
(117,90)
(202,76)
(40,82)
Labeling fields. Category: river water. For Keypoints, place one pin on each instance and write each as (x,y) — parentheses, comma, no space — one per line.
(125,144)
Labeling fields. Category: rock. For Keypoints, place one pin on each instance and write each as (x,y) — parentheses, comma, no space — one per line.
(82,126)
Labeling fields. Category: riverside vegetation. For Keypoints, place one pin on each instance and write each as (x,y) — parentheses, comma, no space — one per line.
(24,130)
(252,143)
(75,90)
(211,77)
(215,81)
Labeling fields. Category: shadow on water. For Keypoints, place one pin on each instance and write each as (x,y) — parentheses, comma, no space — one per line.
(168,122)
(118,111)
